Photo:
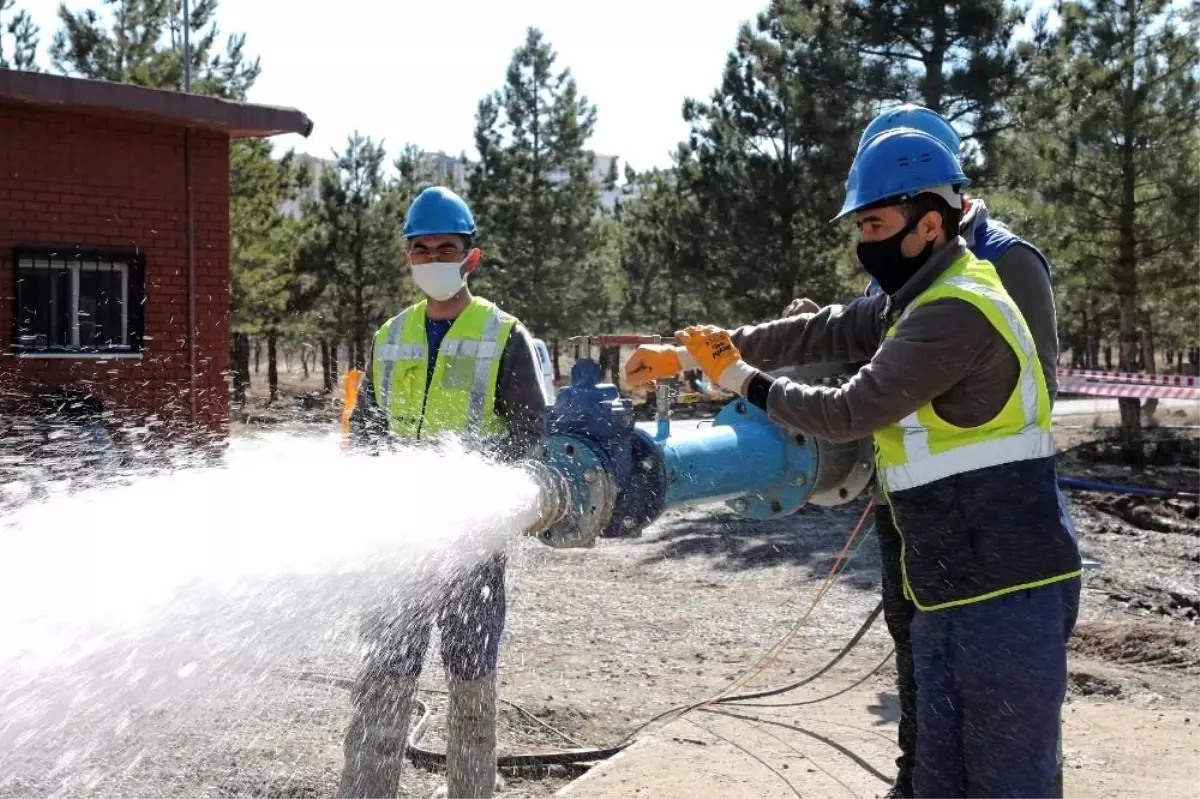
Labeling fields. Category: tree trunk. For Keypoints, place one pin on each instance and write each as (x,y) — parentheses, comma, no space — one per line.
(241,367)
(1086,340)
(272,368)
(554,353)
(933,84)
(326,373)
(304,361)
(257,354)
(1149,359)
(333,364)
(610,361)
(360,311)
(1126,267)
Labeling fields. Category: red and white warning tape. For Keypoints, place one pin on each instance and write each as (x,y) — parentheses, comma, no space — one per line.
(1185,381)
(1076,386)
(1096,383)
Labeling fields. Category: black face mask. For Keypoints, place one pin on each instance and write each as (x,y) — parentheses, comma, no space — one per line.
(885,262)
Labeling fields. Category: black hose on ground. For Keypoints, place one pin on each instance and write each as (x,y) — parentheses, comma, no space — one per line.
(564,757)
(429,758)
(584,755)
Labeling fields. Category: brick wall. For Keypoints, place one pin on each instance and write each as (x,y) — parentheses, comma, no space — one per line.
(91,182)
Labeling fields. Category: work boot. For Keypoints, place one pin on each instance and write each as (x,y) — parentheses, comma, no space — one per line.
(471,740)
(374,743)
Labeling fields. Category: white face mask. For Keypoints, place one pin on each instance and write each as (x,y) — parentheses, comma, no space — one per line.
(439,281)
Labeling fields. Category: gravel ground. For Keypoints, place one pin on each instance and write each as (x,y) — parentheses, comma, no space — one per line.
(597,642)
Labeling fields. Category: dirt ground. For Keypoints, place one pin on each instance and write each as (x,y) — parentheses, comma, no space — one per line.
(600,641)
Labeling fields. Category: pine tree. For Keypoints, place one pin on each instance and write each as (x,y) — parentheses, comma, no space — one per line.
(771,151)
(142,44)
(532,193)
(361,244)
(264,244)
(956,57)
(662,260)
(18,26)
(1120,103)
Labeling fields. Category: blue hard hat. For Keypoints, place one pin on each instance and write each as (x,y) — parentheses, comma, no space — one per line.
(437,211)
(917,117)
(899,164)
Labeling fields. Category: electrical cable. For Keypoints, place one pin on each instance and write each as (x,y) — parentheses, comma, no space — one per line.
(681,710)
(584,754)
(783,689)
(825,698)
(773,654)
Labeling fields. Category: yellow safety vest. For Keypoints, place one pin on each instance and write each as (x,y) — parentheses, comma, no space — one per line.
(923,448)
(461,395)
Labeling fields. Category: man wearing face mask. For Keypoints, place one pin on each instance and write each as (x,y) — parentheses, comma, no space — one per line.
(451,365)
(953,394)
(1025,273)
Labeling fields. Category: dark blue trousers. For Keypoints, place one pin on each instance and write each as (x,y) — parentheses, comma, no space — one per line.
(991,680)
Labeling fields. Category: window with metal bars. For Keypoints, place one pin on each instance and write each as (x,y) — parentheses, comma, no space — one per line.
(71,300)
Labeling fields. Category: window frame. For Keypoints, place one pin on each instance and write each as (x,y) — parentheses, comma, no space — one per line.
(130,262)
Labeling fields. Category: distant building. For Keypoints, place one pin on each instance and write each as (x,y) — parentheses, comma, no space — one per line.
(449,170)
(114,246)
(316,167)
(446,170)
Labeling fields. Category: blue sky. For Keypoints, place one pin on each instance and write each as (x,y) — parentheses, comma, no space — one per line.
(413,72)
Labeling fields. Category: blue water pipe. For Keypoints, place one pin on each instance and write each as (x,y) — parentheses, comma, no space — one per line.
(603,476)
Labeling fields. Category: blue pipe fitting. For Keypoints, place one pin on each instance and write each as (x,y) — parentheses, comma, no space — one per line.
(602,476)
(759,469)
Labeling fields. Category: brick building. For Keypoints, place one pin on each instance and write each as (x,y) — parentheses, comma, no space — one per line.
(114,233)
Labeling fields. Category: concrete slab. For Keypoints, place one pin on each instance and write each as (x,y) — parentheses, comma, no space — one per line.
(845,747)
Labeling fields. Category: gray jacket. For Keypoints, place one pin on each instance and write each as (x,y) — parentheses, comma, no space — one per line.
(946,352)
(520,400)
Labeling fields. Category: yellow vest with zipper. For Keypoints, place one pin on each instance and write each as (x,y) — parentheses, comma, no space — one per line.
(461,395)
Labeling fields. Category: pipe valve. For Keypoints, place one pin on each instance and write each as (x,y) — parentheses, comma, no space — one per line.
(603,476)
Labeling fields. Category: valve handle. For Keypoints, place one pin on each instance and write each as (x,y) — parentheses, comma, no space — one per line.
(619,339)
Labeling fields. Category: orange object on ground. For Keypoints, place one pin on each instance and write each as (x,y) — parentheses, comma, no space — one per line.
(353,378)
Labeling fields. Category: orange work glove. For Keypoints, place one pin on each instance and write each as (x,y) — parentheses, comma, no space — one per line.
(651,362)
(713,350)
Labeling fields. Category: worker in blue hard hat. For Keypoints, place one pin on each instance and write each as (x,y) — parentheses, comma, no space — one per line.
(959,408)
(1025,273)
(452,364)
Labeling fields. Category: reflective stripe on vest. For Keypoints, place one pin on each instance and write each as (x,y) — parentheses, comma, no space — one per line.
(923,448)
(460,396)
